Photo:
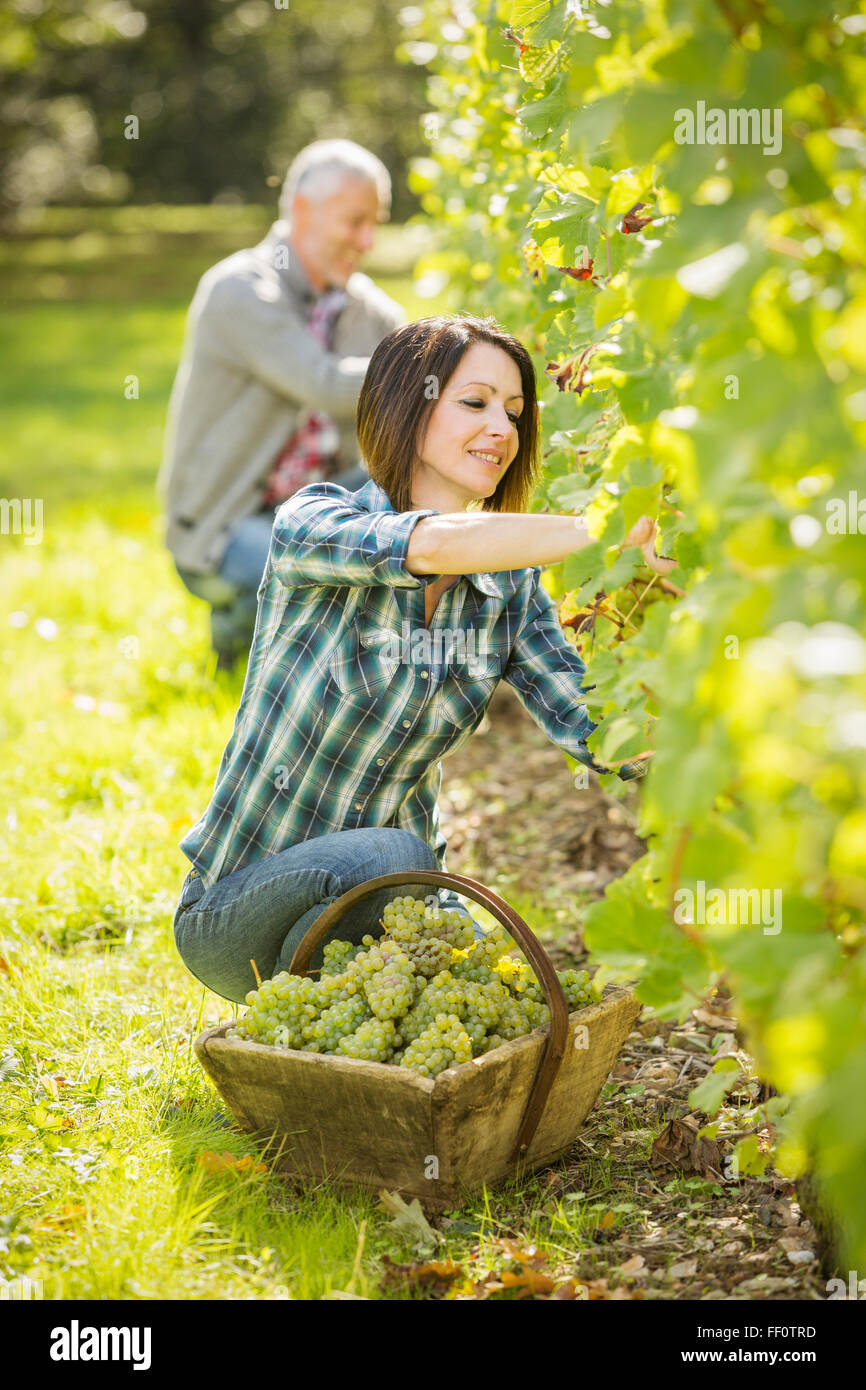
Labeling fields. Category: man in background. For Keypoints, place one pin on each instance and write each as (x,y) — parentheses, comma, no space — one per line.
(277,344)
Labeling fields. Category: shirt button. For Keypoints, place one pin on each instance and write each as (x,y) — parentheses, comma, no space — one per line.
(406,723)
(380,762)
(423,675)
(357,805)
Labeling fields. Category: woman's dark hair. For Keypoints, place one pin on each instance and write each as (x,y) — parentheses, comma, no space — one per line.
(396,403)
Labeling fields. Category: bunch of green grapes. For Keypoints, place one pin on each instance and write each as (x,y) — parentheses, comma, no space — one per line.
(427,933)
(578,988)
(391,991)
(482,1008)
(443,1043)
(324,1033)
(443,994)
(375,1040)
(428,955)
(425,995)
(279,1009)
(337,955)
(474,969)
(513,1021)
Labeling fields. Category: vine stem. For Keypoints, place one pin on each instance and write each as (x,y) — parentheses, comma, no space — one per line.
(735,23)
(623,620)
(639,601)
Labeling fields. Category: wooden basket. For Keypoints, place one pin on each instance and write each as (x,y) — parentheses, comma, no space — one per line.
(513,1109)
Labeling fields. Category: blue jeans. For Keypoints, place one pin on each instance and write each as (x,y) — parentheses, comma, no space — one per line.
(232,591)
(262,912)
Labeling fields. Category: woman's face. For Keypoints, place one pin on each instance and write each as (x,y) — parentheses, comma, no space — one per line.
(471,437)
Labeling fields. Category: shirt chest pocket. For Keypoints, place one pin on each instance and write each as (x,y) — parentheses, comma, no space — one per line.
(364,667)
(466,685)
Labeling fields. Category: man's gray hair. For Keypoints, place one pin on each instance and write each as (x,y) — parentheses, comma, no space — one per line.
(320,168)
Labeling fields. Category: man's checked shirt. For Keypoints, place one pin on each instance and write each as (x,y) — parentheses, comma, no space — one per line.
(348,704)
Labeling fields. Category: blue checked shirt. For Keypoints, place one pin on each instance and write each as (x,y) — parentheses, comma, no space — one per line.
(350,701)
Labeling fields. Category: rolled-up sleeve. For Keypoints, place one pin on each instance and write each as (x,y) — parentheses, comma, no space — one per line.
(547,674)
(321,536)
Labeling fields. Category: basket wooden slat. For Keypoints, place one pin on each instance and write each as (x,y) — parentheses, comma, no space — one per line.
(379,1126)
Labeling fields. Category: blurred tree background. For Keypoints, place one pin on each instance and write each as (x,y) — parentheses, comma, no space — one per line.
(223,92)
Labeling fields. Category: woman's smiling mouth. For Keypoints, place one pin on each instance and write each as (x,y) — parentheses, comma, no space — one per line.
(488,456)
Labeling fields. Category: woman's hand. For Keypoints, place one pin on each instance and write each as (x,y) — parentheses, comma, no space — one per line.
(643,534)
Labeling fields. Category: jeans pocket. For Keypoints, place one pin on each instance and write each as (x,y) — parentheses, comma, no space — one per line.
(191,891)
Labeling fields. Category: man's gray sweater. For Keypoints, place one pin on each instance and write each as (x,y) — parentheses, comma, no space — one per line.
(249,366)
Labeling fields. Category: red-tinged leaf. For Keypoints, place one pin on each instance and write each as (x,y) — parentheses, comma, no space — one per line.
(577,272)
(631,222)
(607,1221)
(508,33)
(561,373)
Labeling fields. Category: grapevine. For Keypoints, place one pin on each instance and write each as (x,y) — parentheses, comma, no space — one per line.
(705,365)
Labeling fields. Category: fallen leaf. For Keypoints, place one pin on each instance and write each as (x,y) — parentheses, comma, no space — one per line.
(422,1271)
(683,1269)
(659,1074)
(532,1280)
(531,1256)
(409,1219)
(634,1265)
(61,1220)
(607,1220)
(679,1145)
(566,1290)
(720,1022)
(227,1162)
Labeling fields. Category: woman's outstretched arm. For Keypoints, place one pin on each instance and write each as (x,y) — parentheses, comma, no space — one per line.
(470,542)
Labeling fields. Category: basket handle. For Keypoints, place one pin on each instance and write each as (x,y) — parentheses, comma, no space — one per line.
(514,925)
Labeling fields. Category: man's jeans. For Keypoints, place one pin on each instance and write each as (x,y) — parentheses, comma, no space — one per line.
(263,911)
(231,592)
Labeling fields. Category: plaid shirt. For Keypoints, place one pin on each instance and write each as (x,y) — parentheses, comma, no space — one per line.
(349,703)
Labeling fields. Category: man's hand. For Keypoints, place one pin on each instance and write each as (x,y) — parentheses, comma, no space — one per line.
(643,534)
